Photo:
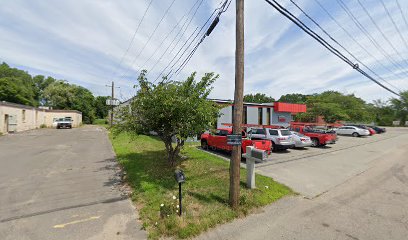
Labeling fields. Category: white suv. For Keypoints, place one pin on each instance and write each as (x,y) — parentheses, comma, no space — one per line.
(353,131)
(280,138)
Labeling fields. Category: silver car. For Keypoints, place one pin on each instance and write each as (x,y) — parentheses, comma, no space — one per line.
(353,131)
(281,138)
(301,140)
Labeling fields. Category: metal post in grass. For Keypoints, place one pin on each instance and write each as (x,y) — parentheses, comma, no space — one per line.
(180,178)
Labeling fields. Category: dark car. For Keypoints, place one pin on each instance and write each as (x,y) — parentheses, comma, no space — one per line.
(378,129)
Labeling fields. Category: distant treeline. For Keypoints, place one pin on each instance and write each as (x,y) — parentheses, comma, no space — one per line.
(333,106)
(17,86)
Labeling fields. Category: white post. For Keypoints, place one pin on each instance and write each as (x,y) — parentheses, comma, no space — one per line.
(250,166)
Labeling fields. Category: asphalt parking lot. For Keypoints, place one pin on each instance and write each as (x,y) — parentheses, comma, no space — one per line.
(355,189)
(63,184)
(313,171)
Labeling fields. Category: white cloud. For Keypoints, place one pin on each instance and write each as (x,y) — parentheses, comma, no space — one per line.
(83,42)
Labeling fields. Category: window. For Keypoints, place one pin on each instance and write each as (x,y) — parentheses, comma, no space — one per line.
(221,133)
(285,133)
(273,132)
(232,114)
(260,115)
(281,119)
(24,115)
(244,115)
(258,131)
(268,116)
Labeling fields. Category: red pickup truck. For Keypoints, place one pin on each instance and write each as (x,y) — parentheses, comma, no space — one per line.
(218,140)
(318,137)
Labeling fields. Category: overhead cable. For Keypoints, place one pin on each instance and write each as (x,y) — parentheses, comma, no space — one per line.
(323,42)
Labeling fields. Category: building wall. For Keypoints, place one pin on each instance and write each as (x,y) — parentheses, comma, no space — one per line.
(226,116)
(286,115)
(252,115)
(27,118)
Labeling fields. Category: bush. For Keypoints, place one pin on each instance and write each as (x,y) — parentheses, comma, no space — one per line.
(43,126)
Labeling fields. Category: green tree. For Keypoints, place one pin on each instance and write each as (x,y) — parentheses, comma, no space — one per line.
(293,98)
(101,108)
(40,84)
(335,106)
(16,86)
(62,95)
(174,110)
(400,106)
(258,98)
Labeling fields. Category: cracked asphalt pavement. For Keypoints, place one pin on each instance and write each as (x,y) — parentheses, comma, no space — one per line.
(63,184)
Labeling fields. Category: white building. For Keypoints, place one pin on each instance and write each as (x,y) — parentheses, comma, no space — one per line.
(17,117)
(276,113)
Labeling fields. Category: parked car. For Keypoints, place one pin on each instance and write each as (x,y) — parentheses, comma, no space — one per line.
(64,123)
(218,140)
(378,129)
(318,137)
(301,140)
(281,139)
(55,122)
(372,131)
(353,131)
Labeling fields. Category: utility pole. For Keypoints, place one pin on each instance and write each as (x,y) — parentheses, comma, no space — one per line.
(112,102)
(238,105)
(113,97)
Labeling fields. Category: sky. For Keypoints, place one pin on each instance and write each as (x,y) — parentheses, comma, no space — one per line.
(90,43)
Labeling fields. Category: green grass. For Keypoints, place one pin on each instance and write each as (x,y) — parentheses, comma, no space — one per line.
(101,122)
(205,193)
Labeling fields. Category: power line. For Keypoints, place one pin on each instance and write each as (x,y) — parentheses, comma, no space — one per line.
(368,35)
(382,33)
(402,14)
(334,40)
(395,25)
(150,37)
(210,29)
(133,37)
(323,42)
(179,39)
(355,40)
(168,34)
(195,37)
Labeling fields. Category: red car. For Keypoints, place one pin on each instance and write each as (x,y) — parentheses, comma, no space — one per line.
(318,137)
(372,131)
(218,140)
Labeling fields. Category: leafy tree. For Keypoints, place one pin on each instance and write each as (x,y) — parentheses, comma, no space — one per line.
(40,84)
(258,98)
(12,91)
(16,86)
(293,98)
(62,95)
(101,108)
(335,106)
(400,106)
(174,110)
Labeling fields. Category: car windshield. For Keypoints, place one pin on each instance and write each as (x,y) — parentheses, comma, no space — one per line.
(285,133)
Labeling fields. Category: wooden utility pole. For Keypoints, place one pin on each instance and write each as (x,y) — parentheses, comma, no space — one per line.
(112,102)
(113,97)
(238,105)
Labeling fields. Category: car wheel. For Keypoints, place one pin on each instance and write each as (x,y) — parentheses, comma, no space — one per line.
(204,144)
(355,134)
(274,148)
(315,142)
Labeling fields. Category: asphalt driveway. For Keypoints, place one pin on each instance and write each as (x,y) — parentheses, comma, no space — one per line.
(63,184)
